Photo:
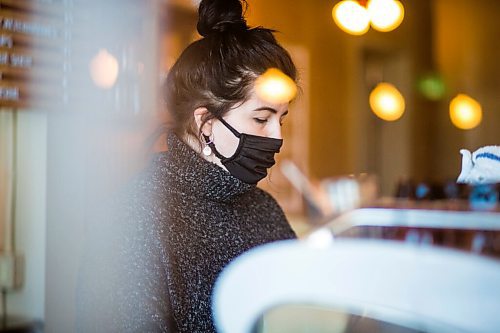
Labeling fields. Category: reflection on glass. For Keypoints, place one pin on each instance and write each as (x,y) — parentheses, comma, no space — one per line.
(104,69)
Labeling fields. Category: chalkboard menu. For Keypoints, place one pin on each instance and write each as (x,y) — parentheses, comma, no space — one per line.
(34,52)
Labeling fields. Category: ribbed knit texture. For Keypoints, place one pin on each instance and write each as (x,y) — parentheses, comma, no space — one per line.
(184,221)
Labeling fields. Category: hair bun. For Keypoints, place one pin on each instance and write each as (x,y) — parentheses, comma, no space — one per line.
(217,16)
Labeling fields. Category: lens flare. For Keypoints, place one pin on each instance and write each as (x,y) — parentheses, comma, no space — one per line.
(275,87)
(385,15)
(351,17)
(104,69)
(465,112)
(387,102)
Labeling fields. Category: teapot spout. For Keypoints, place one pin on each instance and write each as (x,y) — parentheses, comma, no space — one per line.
(467,165)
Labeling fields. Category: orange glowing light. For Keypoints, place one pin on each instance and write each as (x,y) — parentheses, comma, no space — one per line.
(274,86)
(351,17)
(465,112)
(385,15)
(387,102)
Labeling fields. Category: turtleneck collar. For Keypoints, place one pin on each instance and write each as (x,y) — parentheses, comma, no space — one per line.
(191,172)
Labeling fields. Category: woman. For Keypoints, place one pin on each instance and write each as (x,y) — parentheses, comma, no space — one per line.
(198,207)
(225,138)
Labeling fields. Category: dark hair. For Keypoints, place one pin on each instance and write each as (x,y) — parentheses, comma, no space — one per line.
(218,70)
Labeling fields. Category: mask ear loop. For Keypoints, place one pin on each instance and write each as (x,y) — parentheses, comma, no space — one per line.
(229,127)
(207,141)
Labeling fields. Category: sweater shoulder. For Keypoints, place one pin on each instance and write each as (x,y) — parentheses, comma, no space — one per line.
(266,196)
(273,210)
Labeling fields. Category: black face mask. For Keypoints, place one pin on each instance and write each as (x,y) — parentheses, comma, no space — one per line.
(252,158)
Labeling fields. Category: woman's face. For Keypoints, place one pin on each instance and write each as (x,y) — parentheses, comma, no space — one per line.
(255,116)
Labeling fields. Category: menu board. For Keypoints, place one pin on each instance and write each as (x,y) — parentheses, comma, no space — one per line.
(34,52)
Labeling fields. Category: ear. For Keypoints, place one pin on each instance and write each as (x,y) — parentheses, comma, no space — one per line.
(199,114)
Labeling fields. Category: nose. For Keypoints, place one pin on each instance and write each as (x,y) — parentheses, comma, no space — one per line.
(275,131)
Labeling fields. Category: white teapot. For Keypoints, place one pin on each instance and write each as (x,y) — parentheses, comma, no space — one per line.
(480,167)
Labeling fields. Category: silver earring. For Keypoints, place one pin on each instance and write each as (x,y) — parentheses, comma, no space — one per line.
(207,140)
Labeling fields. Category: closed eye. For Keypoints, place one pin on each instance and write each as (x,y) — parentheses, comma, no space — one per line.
(260,120)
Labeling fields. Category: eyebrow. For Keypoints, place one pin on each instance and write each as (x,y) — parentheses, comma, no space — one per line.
(268,108)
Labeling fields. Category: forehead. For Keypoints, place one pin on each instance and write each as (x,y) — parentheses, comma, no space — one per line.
(254,102)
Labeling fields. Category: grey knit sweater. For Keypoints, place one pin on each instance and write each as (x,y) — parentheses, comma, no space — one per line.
(184,221)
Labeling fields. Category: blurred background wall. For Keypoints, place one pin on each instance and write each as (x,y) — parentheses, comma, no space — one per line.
(455,39)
